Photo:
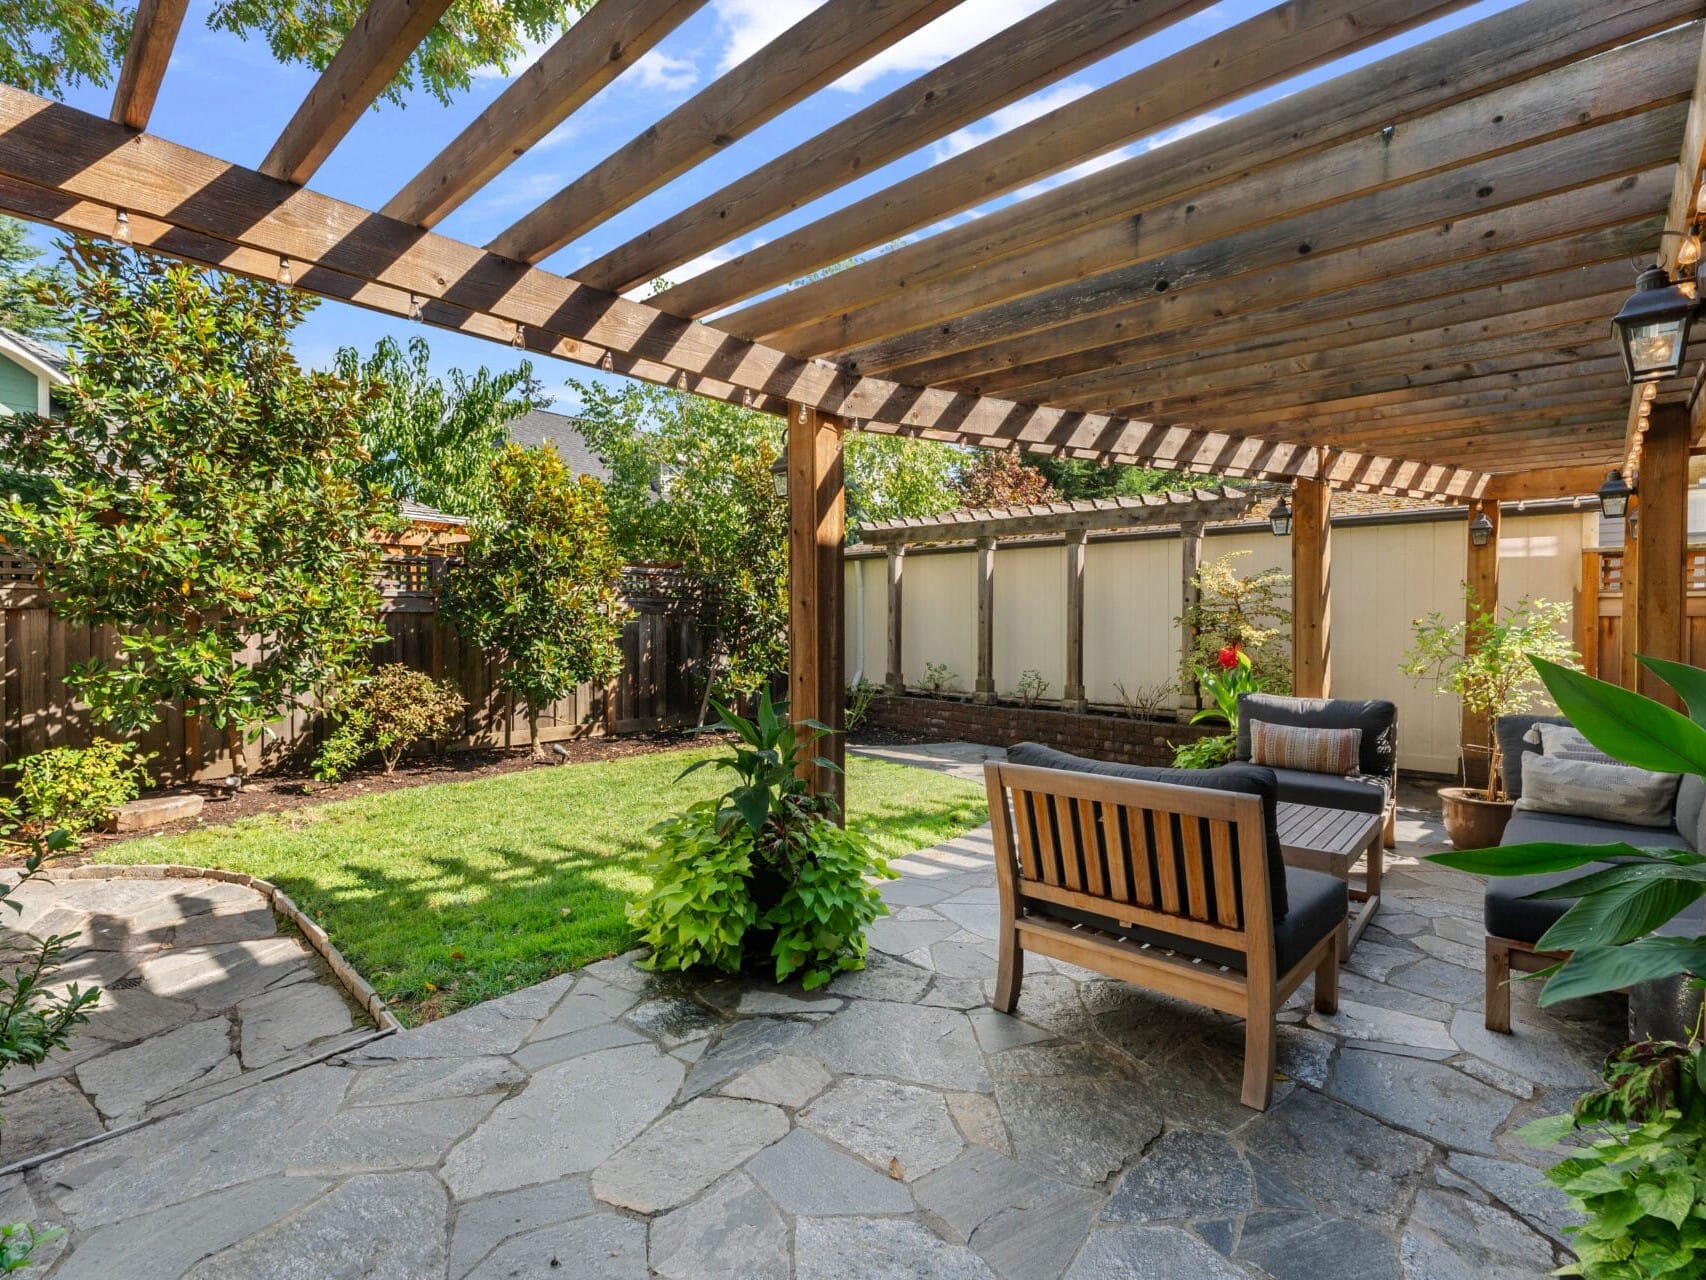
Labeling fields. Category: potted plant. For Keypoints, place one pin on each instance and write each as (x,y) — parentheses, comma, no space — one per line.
(1484,662)
(1638,1172)
(763,873)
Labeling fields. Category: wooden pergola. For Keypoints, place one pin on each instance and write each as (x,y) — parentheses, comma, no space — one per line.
(1398,279)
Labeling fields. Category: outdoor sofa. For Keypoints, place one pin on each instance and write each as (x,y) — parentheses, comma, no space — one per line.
(1373,788)
(1515,922)
(1170,879)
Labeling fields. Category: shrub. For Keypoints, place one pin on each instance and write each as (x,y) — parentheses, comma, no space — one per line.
(700,904)
(73,789)
(388,714)
(34,1018)
(937,678)
(860,696)
(767,853)
(1147,701)
(1250,614)
(1204,753)
(1032,687)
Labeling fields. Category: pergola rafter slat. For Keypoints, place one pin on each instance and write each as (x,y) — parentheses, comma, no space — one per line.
(607,41)
(154,32)
(381,41)
(829,41)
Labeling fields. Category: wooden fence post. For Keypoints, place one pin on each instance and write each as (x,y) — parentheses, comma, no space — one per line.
(1190,562)
(896,678)
(1073,697)
(984,690)
(1661,625)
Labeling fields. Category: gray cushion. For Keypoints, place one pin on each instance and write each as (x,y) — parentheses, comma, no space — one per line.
(1245,779)
(1609,792)
(1511,731)
(1510,914)
(1691,810)
(1377,718)
(1365,795)
(1319,902)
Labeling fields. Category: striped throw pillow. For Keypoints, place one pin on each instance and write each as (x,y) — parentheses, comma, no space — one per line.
(1293,746)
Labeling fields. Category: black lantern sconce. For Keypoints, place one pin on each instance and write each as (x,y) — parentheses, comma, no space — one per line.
(1480,530)
(1614,496)
(1280,518)
(1652,328)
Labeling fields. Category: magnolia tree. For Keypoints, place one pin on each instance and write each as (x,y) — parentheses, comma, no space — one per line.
(1484,661)
(201,494)
(542,581)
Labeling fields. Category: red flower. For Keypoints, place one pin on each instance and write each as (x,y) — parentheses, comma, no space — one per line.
(1229,657)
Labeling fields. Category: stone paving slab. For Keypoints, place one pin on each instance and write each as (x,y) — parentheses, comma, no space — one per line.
(614,1123)
(199,991)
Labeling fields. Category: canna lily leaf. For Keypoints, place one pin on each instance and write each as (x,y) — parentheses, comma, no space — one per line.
(1624,724)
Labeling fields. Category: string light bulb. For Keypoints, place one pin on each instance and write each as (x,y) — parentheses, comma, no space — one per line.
(1650,391)
(284,273)
(121,226)
(1689,253)
(519,338)
(417,308)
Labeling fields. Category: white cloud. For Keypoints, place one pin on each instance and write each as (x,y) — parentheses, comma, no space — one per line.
(748,25)
(950,35)
(1196,124)
(665,73)
(1010,117)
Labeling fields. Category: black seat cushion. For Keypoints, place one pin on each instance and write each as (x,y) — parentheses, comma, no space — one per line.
(1506,908)
(1365,795)
(1376,717)
(1245,779)
(1319,904)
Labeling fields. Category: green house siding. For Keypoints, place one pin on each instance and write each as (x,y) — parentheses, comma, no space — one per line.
(17,387)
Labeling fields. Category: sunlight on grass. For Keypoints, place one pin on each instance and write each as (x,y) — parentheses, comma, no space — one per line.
(450,894)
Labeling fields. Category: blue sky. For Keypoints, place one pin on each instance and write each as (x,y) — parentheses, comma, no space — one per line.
(231,98)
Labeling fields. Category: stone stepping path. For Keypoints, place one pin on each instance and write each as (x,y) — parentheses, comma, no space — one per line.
(200,995)
(614,1125)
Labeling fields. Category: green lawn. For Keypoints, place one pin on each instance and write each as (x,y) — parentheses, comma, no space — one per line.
(450,894)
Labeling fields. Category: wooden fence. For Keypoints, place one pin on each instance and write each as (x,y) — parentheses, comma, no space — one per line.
(657,687)
(1599,629)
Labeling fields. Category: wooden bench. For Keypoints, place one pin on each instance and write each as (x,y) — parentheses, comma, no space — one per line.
(1163,886)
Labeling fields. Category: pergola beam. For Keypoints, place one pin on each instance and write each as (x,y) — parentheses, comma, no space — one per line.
(1261,51)
(153,33)
(605,42)
(1498,50)
(382,40)
(73,156)
(1049,44)
(830,40)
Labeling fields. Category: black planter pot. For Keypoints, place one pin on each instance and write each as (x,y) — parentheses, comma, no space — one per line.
(1664,1010)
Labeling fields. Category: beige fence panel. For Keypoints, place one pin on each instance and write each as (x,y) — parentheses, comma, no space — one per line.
(1131,607)
(1030,617)
(938,615)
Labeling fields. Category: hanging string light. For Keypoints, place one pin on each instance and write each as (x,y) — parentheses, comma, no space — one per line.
(285,277)
(417,308)
(121,226)
(519,338)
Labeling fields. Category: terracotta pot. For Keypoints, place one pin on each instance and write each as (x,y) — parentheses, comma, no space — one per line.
(1471,821)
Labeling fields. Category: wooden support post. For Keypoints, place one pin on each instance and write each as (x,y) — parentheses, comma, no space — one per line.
(1481,579)
(1661,627)
(1190,561)
(1629,577)
(896,678)
(1311,590)
(984,690)
(817,532)
(1073,698)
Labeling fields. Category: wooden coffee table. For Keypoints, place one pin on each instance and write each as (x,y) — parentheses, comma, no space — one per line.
(1335,840)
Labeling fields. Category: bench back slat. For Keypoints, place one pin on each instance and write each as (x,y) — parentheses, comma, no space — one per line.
(1186,861)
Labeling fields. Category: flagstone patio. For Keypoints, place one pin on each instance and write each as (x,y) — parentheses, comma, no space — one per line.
(610,1121)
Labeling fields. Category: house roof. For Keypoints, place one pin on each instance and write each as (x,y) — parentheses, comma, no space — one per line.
(420,513)
(40,357)
(542,426)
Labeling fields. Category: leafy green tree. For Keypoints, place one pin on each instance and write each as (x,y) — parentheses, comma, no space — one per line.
(23,284)
(690,482)
(201,494)
(48,46)
(1079,478)
(542,580)
(429,441)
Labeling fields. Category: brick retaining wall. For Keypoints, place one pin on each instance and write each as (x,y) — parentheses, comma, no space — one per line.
(1105,737)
